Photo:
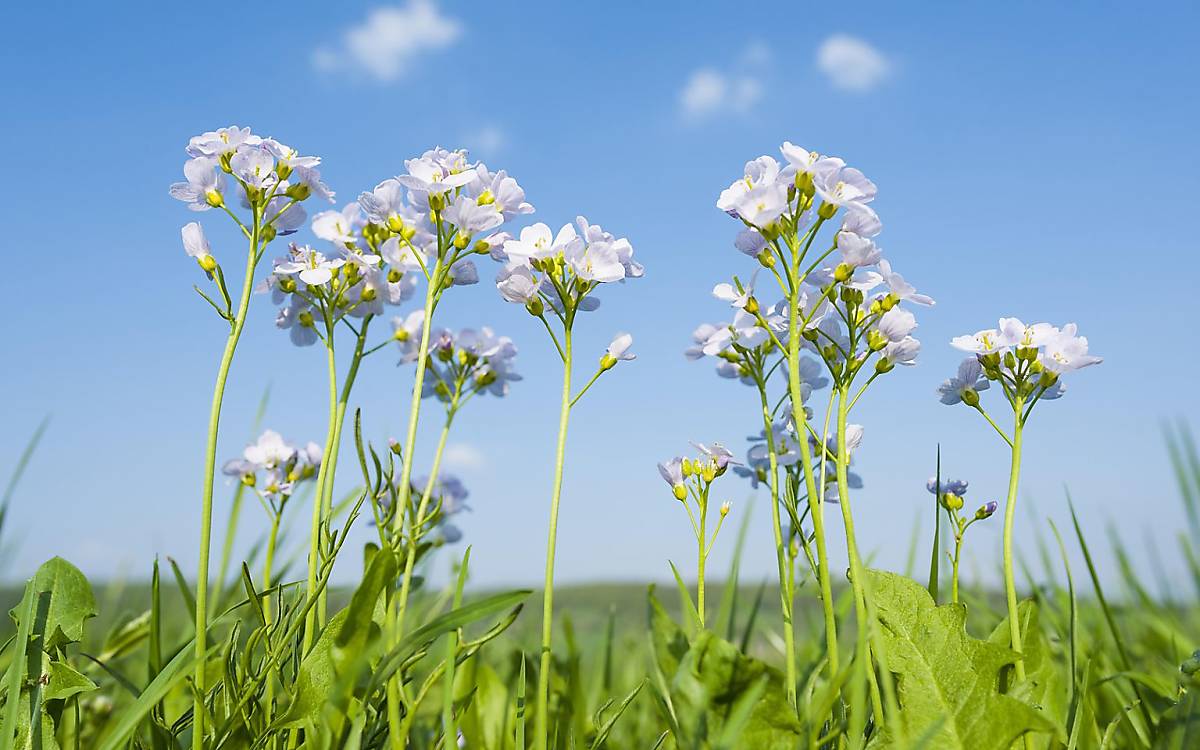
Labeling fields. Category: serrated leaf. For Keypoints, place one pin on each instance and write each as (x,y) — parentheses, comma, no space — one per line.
(62,681)
(945,676)
(71,602)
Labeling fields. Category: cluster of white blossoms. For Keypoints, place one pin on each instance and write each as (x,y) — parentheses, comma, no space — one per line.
(787,457)
(273,467)
(270,179)
(1027,361)
(560,270)
(468,362)
(384,242)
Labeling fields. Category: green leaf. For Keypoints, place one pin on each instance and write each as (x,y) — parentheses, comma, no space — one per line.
(708,693)
(1044,687)
(62,681)
(71,602)
(945,676)
(670,642)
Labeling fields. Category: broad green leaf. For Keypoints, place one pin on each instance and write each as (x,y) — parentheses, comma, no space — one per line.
(486,716)
(946,678)
(670,642)
(62,681)
(1044,688)
(707,692)
(71,602)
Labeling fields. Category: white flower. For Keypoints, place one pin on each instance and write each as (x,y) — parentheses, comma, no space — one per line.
(517,283)
(407,332)
(312,265)
(500,190)
(403,255)
(763,205)
(269,451)
(289,156)
(285,215)
(311,179)
(720,455)
(385,205)
(672,473)
(969,379)
(595,261)
(618,351)
(471,217)
(896,324)
(437,171)
(538,241)
(700,337)
(862,220)
(297,318)
(982,342)
(763,171)
(253,166)
(216,143)
(1016,333)
(463,273)
(900,288)
(195,244)
(802,162)
(857,251)
(727,292)
(750,242)
(1067,351)
(204,187)
(842,186)
(902,352)
(338,227)
(592,233)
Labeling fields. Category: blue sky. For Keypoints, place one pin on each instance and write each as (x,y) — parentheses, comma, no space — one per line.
(1033,160)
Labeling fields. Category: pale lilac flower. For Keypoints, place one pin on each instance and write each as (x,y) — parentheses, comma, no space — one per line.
(720,455)
(338,227)
(750,242)
(404,255)
(471,217)
(902,352)
(407,332)
(618,351)
(727,292)
(518,284)
(500,190)
(1016,333)
(217,143)
(896,324)
(312,265)
(700,338)
(857,251)
(862,220)
(843,186)
(595,261)
(204,187)
(463,273)
(288,156)
(310,179)
(763,205)
(672,472)
(284,215)
(253,166)
(986,341)
(763,171)
(1067,351)
(900,288)
(195,244)
(437,171)
(952,486)
(538,241)
(296,317)
(385,205)
(969,379)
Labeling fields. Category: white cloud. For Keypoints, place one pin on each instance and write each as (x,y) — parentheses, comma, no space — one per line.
(710,92)
(385,44)
(488,141)
(463,457)
(852,64)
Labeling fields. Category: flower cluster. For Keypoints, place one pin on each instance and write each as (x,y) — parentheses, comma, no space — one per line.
(424,222)
(270,180)
(273,467)
(1027,361)
(560,270)
(468,362)
(950,493)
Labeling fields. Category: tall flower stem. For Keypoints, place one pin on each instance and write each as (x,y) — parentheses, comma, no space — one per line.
(857,572)
(1010,507)
(330,459)
(268,562)
(815,499)
(542,725)
(702,543)
(785,577)
(395,622)
(210,462)
(313,620)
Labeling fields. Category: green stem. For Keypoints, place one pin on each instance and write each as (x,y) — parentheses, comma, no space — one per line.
(958,542)
(1010,586)
(542,724)
(394,621)
(815,498)
(313,621)
(702,553)
(781,552)
(857,572)
(266,584)
(235,512)
(330,460)
(210,462)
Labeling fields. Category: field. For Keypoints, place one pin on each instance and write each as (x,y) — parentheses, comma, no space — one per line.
(267,653)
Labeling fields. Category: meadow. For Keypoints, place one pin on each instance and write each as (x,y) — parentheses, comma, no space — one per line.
(266,653)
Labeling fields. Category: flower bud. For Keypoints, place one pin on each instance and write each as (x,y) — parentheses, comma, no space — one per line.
(827,210)
(207,262)
(986,510)
(367,294)
(751,305)
(1048,379)
(401,334)
(970,397)
(287,285)
(685,467)
(214,199)
(395,223)
(843,272)
(298,192)
(407,233)
(437,202)
(268,233)
(725,508)
(680,492)
(305,318)
(884,365)
(1191,667)
(804,183)
(249,479)
(482,248)
(876,340)
(224,161)
(535,307)
(708,472)
(766,258)
(394,275)
(950,501)
(1010,360)
(809,334)
(394,446)
(442,390)
(461,241)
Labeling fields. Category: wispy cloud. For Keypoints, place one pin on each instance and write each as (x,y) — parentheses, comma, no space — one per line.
(852,64)
(463,457)
(487,141)
(387,42)
(710,91)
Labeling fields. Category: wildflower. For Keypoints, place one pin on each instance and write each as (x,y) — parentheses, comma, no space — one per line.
(965,385)
(308,183)
(986,510)
(407,333)
(221,142)
(857,251)
(253,166)
(986,341)
(953,486)
(297,318)
(762,206)
(902,352)
(727,292)
(289,157)
(463,273)
(672,473)
(518,284)
(763,171)
(618,351)
(195,244)
(839,185)
(595,261)
(312,265)
(896,324)
(862,220)
(538,242)
(719,454)
(899,288)
(499,191)
(1066,351)
(205,184)
(471,217)
(338,227)
(436,172)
